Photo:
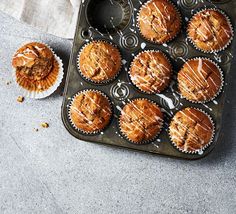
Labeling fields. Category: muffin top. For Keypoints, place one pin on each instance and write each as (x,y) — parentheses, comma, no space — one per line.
(191,130)
(90,111)
(140,121)
(33,61)
(151,71)
(99,61)
(159,21)
(199,80)
(210,30)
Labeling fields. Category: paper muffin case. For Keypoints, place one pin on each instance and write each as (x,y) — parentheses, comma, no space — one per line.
(170,39)
(199,151)
(149,51)
(231,29)
(122,134)
(221,86)
(90,80)
(52,81)
(69,111)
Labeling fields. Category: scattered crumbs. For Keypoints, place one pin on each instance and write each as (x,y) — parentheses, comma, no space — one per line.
(45,125)
(20,99)
(8,82)
(36,129)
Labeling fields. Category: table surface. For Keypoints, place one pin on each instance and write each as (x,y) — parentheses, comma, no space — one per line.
(50,171)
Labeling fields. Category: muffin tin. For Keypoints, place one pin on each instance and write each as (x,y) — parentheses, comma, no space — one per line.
(115,21)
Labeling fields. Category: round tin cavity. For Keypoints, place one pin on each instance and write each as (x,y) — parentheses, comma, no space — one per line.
(129,41)
(120,91)
(179,49)
(108,16)
(188,4)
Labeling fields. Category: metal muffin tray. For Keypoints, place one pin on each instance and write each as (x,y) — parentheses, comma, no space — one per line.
(115,21)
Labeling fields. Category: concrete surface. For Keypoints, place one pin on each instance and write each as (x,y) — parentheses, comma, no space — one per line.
(49,171)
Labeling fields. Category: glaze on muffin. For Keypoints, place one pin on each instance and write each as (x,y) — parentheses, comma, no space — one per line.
(210,30)
(140,121)
(159,21)
(191,130)
(90,111)
(99,61)
(199,80)
(151,71)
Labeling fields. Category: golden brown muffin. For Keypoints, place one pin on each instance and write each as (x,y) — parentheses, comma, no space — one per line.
(159,21)
(99,61)
(210,30)
(36,67)
(151,71)
(33,61)
(90,111)
(199,80)
(191,130)
(140,121)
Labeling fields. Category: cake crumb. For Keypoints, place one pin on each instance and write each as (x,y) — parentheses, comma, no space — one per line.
(8,82)
(36,129)
(20,99)
(45,125)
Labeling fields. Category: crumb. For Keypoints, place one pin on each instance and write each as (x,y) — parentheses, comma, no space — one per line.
(9,82)
(45,125)
(20,99)
(36,129)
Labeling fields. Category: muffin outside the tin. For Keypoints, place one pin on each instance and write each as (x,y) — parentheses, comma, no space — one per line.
(159,21)
(90,111)
(140,121)
(38,71)
(200,80)
(99,61)
(151,71)
(191,130)
(210,30)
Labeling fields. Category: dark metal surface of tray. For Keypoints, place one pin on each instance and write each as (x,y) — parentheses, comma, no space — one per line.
(93,15)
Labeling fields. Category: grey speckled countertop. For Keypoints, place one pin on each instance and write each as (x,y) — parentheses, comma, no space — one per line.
(49,171)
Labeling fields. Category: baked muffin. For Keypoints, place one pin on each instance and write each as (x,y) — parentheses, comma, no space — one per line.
(200,80)
(99,61)
(90,111)
(140,121)
(150,71)
(159,21)
(36,67)
(210,30)
(191,130)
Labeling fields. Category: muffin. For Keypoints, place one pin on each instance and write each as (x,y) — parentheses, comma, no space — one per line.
(140,121)
(90,111)
(191,130)
(150,71)
(99,61)
(159,21)
(200,80)
(210,30)
(37,68)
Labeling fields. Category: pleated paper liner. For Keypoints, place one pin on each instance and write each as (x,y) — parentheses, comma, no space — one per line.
(171,38)
(144,141)
(139,88)
(216,50)
(97,131)
(197,151)
(41,88)
(219,90)
(91,80)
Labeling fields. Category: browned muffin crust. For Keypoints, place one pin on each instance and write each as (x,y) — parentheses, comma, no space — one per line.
(99,61)
(140,121)
(191,130)
(151,71)
(210,30)
(159,21)
(199,80)
(90,111)
(33,61)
